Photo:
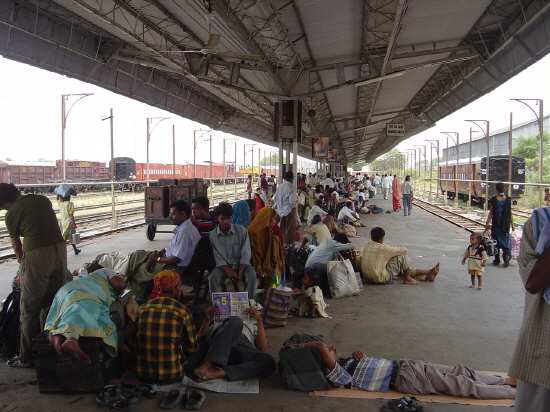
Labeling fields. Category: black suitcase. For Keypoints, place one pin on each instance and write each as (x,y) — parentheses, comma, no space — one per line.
(65,374)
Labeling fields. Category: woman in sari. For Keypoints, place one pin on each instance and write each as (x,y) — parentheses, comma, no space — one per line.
(241,213)
(267,252)
(81,308)
(396,193)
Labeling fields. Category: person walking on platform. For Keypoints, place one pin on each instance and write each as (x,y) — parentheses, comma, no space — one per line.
(407,190)
(43,261)
(66,221)
(386,186)
(499,221)
(285,198)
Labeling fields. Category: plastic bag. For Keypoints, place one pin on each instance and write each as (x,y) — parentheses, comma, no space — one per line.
(341,278)
(516,244)
(65,190)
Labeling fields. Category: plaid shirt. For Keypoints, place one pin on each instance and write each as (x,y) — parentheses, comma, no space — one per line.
(375,258)
(165,334)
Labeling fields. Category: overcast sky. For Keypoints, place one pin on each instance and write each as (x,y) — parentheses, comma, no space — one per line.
(30,104)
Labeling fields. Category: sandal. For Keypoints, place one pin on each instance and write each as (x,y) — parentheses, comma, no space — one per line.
(405,404)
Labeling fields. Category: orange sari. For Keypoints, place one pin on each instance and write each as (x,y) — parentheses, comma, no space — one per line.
(267,252)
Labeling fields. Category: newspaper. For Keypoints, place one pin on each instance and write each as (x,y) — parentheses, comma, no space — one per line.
(230,304)
(222,385)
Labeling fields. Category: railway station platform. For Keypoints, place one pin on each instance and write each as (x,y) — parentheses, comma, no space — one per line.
(443,322)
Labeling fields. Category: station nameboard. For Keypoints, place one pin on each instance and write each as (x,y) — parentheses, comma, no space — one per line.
(395,129)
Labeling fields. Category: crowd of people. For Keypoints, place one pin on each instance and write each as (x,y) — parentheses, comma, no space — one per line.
(249,242)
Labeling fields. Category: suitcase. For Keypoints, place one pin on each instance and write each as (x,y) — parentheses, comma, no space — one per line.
(168,182)
(180,193)
(157,202)
(65,374)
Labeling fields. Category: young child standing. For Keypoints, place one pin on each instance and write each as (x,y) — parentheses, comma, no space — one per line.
(66,221)
(477,258)
(310,302)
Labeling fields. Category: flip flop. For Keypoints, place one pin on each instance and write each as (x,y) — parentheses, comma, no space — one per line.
(195,398)
(172,398)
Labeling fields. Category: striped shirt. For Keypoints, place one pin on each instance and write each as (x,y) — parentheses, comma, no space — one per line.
(165,334)
(368,374)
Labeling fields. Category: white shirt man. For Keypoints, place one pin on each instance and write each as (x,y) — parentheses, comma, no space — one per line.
(327,182)
(386,185)
(376,182)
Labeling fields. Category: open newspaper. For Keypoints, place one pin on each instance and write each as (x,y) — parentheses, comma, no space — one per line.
(230,304)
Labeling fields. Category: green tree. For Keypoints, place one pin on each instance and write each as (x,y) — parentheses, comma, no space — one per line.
(274,159)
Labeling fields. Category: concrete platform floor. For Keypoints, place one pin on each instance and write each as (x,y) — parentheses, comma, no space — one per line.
(442,322)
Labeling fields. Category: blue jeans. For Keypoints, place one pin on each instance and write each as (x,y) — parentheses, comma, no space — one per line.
(407,204)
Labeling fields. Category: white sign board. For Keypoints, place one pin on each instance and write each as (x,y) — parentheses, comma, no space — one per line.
(395,129)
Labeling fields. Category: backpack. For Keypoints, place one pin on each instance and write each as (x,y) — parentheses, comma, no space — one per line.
(302,368)
(9,325)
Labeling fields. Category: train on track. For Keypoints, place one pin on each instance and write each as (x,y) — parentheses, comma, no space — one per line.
(476,169)
(126,169)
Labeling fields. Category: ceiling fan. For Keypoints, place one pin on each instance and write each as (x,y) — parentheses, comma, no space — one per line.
(211,46)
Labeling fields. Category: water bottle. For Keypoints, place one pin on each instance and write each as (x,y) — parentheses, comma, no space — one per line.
(274,280)
(82,272)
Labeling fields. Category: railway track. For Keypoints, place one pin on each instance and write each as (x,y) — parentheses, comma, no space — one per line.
(470,224)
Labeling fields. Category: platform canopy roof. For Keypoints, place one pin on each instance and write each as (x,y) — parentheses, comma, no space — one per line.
(356,65)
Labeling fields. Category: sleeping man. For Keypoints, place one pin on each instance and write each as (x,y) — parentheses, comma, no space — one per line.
(409,376)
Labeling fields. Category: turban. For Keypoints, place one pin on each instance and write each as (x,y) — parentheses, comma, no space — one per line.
(166,280)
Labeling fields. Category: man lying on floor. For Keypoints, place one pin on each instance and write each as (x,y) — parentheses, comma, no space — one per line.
(409,376)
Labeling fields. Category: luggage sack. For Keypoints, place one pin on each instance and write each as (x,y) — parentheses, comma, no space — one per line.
(489,244)
(9,325)
(301,367)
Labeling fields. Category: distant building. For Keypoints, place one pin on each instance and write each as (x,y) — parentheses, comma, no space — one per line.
(498,140)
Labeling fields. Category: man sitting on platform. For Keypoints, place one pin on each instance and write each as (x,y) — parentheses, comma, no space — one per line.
(203,220)
(142,266)
(382,263)
(165,335)
(231,247)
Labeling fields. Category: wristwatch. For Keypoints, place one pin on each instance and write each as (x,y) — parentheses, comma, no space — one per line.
(158,259)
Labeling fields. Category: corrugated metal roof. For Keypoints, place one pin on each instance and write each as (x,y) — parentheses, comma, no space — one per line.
(451,52)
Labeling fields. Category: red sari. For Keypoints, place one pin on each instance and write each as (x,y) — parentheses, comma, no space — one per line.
(396,194)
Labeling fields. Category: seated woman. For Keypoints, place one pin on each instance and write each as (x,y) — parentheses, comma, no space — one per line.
(267,252)
(241,213)
(330,221)
(409,376)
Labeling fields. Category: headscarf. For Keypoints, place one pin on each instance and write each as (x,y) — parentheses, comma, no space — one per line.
(267,253)
(166,280)
(241,213)
(396,188)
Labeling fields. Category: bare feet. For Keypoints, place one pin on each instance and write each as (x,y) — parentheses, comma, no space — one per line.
(472,286)
(511,381)
(206,371)
(57,341)
(410,281)
(479,288)
(71,345)
(433,273)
